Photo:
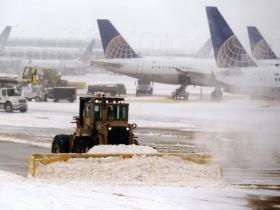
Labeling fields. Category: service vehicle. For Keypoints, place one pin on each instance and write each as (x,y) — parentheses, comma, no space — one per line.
(11,99)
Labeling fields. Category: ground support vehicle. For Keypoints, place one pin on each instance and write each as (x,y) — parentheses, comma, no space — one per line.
(144,88)
(11,99)
(112,89)
(62,93)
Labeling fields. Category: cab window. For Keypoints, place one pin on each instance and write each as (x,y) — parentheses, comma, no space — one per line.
(97,112)
(4,92)
(117,112)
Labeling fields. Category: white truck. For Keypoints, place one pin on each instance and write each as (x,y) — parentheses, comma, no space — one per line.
(11,99)
(36,92)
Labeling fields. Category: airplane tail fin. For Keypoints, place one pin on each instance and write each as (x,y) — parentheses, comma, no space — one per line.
(114,45)
(259,47)
(205,50)
(228,50)
(87,54)
(4,37)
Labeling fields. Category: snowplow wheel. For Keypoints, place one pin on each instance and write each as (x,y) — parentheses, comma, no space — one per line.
(136,142)
(61,144)
(8,107)
(83,144)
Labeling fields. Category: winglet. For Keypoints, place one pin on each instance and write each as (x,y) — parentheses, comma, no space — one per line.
(87,54)
(4,37)
(205,50)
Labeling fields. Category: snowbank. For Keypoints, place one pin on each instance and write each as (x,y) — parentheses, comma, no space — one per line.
(124,149)
(139,170)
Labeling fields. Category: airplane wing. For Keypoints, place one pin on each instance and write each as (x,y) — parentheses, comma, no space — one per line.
(104,64)
(203,78)
(193,72)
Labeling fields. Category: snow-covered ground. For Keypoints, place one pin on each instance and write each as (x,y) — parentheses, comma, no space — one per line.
(19,193)
(230,129)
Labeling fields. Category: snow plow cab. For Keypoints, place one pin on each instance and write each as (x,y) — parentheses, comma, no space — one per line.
(101,120)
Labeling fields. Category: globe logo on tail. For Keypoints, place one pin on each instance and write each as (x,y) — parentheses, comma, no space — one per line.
(118,48)
(232,54)
(263,51)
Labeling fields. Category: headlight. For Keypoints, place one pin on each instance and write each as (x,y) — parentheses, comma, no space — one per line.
(127,128)
(110,128)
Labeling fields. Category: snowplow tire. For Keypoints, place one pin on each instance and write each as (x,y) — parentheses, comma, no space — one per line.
(83,144)
(61,144)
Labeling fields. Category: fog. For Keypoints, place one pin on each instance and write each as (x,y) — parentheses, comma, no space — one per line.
(160,24)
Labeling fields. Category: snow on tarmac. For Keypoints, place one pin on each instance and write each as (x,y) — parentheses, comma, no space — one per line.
(18,193)
(191,186)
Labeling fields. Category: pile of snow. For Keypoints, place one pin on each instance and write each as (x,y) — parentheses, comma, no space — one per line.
(122,149)
(139,170)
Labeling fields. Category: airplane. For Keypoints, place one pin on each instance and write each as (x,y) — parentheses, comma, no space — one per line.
(260,48)
(121,58)
(236,71)
(4,36)
(83,62)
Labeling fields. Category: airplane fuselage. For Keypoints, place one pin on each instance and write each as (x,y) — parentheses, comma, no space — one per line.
(263,80)
(161,70)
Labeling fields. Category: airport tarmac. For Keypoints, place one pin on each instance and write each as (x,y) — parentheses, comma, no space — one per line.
(223,133)
(241,134)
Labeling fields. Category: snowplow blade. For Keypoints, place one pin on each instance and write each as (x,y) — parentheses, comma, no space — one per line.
(36,159)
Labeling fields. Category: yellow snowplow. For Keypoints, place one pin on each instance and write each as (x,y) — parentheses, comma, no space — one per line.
(101,121)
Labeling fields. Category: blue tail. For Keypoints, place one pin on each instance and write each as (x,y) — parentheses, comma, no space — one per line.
(259,47)
(4,37)
(228,50)
(87,54)
(114,45)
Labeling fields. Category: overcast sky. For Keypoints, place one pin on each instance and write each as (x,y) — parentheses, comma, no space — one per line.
(175,24)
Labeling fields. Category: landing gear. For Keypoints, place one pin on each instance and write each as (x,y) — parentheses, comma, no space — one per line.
(180,93)
(217,94)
